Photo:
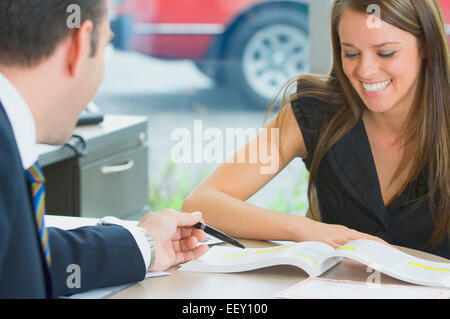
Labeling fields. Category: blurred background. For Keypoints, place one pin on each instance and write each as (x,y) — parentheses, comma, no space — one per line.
(218,61)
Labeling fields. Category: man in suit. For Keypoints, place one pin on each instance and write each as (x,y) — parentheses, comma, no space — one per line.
(48,74)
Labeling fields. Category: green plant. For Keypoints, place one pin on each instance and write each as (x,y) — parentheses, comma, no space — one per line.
(294,202)
(170,189)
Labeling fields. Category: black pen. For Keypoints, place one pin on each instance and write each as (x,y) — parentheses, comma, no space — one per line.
(218,234)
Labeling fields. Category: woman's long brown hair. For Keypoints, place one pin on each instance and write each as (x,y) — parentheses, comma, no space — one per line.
(428,124)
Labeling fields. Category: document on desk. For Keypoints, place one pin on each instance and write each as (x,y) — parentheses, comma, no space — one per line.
(319,288)
(315,258)
(101,293)
(70,222)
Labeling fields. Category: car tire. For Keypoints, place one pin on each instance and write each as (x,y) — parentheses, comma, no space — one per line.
(264,51)
(213,70)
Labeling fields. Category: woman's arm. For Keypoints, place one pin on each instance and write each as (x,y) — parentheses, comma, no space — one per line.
(222,196)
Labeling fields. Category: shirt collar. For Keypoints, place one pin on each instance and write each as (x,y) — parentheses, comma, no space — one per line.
(21,120)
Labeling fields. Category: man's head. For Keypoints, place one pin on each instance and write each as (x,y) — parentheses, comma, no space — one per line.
(56,64)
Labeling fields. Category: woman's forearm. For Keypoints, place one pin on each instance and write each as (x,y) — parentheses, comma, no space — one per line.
(243,220)
(239,218)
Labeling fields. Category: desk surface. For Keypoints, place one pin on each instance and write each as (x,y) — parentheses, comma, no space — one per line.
(255,284)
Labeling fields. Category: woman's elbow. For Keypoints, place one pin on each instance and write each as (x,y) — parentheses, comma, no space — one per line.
(198,200)
(191,203)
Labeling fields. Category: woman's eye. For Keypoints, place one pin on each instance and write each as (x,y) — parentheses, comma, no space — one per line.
(350,55)
(387,54)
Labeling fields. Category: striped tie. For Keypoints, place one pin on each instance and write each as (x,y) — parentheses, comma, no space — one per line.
(37,180)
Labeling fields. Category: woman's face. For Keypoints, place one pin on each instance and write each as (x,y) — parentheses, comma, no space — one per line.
(382,62)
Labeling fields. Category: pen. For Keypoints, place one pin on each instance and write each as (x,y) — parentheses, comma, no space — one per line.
(218,234)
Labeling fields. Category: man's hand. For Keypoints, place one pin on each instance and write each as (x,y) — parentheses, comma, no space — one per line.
(175,239)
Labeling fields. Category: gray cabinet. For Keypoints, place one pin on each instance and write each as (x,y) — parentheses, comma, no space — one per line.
(110,180)
(113,185)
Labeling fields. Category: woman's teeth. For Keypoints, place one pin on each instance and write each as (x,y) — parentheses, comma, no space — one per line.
(377,86)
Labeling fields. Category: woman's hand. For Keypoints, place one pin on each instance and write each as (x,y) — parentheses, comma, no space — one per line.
(333,235)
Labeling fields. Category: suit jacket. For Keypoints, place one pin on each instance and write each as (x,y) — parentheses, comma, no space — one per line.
(103,256)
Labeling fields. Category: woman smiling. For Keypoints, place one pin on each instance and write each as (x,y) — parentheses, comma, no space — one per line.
(374,135)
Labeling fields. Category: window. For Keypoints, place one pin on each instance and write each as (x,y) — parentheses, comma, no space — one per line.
(202,67)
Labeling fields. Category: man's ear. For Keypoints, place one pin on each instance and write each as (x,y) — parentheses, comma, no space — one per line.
(79,48)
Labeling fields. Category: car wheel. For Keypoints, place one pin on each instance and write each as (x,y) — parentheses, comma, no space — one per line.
(264,51)
(213,71)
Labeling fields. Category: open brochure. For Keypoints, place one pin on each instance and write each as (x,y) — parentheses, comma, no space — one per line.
(315,258)
(321,288)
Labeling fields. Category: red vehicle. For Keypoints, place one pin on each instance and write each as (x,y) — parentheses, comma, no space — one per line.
(251,45)
(445,5)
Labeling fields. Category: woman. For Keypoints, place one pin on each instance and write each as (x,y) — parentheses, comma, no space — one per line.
(374,136)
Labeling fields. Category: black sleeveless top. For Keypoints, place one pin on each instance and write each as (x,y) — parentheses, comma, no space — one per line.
(348,189)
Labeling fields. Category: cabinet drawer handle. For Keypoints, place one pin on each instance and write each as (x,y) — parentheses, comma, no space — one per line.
(117,168)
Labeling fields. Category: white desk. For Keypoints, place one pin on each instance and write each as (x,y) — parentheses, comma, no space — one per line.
(256,284)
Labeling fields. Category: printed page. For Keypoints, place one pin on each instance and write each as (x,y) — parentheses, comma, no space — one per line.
(395,263)
(101,293)
(210,240)
(320,288)
(304,255)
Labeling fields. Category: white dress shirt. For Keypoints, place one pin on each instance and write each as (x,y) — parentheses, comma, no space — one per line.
(24,129)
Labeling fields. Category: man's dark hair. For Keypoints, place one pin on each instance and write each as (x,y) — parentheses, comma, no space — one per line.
(30,30)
